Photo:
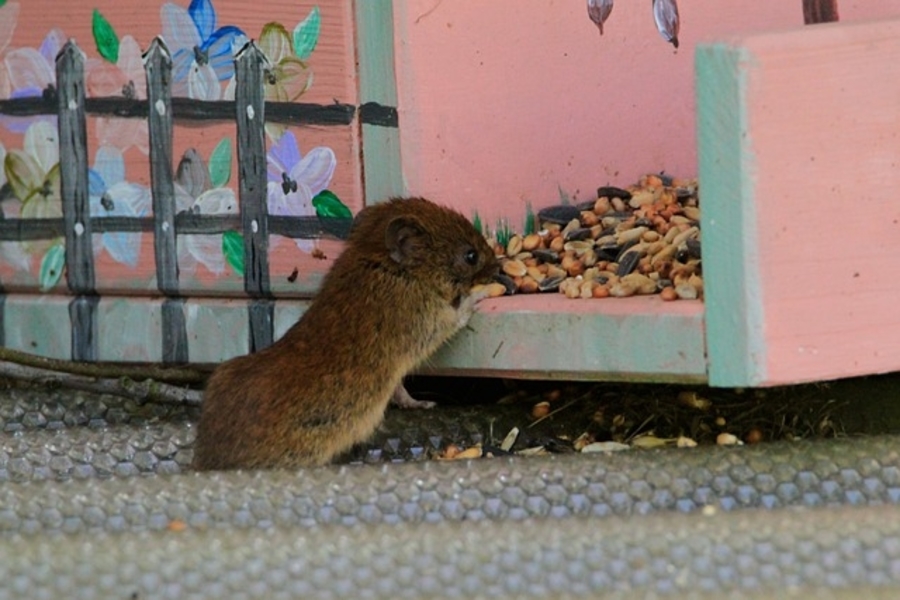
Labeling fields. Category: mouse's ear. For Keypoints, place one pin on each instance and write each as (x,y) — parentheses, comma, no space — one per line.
(406,240)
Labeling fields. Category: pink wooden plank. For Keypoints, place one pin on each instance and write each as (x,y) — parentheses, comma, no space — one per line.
(823,112)
(509,101)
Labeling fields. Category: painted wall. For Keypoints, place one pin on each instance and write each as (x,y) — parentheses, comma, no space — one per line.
(30,35)
(514,101)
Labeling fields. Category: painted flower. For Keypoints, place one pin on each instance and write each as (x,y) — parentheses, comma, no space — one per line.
(111,195)
(294,180)
(31,188)
(202,55)
(288,75)
(194,193)
(124,78)
(9,16)
(29,72)
(33,172)
(13,253)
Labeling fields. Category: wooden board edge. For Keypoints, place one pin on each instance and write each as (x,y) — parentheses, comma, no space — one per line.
(734,309)
(532,337)
(381,158)
(550,337)
(129,329)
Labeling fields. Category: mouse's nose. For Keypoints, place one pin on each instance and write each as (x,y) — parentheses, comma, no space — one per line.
(488,272)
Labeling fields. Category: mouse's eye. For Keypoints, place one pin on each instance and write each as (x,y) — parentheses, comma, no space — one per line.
(471,257)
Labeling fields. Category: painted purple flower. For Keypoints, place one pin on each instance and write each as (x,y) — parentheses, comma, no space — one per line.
(202,55)
(294,180)
(28,73)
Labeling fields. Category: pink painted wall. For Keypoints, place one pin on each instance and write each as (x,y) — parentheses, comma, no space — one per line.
(824,129)
(508,101)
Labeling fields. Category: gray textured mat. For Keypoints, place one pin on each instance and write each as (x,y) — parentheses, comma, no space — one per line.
(797,552)
(864,471)
(97,500)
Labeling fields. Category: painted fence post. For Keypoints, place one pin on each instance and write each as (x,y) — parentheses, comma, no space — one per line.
(158,66)
(73,167)
(250,67)
(77,224)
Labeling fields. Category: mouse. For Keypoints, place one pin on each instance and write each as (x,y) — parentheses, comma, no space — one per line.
(408,278)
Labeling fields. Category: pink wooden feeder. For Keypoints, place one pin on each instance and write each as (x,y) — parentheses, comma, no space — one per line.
(487,107)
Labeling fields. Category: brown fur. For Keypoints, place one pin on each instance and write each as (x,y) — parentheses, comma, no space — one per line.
(398,291)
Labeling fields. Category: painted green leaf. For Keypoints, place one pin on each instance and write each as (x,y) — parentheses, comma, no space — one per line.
(105,37)
(220,163)
(2,3)
(233,249)
(306,34)
(52,266)
(476,221)
(327,204)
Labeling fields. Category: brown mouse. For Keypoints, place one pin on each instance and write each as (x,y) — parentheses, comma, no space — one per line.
(401,287)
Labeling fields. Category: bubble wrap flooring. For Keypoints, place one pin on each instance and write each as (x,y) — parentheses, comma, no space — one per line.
(96,501)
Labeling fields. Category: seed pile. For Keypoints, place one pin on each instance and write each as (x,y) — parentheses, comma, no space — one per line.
(641,240)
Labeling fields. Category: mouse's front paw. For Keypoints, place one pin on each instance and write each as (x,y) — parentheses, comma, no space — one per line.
(479,292)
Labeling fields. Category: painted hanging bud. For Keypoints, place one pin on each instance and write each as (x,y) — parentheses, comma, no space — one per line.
(665,13)
(598,11)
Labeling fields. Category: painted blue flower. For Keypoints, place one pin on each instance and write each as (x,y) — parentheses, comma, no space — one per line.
(202,55)
(111,195)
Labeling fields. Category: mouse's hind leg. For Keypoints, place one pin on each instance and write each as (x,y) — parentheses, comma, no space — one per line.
(402,399)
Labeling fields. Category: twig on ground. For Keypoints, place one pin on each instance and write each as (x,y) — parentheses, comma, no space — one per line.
(173,375)
(147,390)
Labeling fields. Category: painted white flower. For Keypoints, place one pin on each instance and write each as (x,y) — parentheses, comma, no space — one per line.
(31,180)
(294,180)
(111,195)
(194,194)
(13,253)
(33,172)
(9,16)
(125,78)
